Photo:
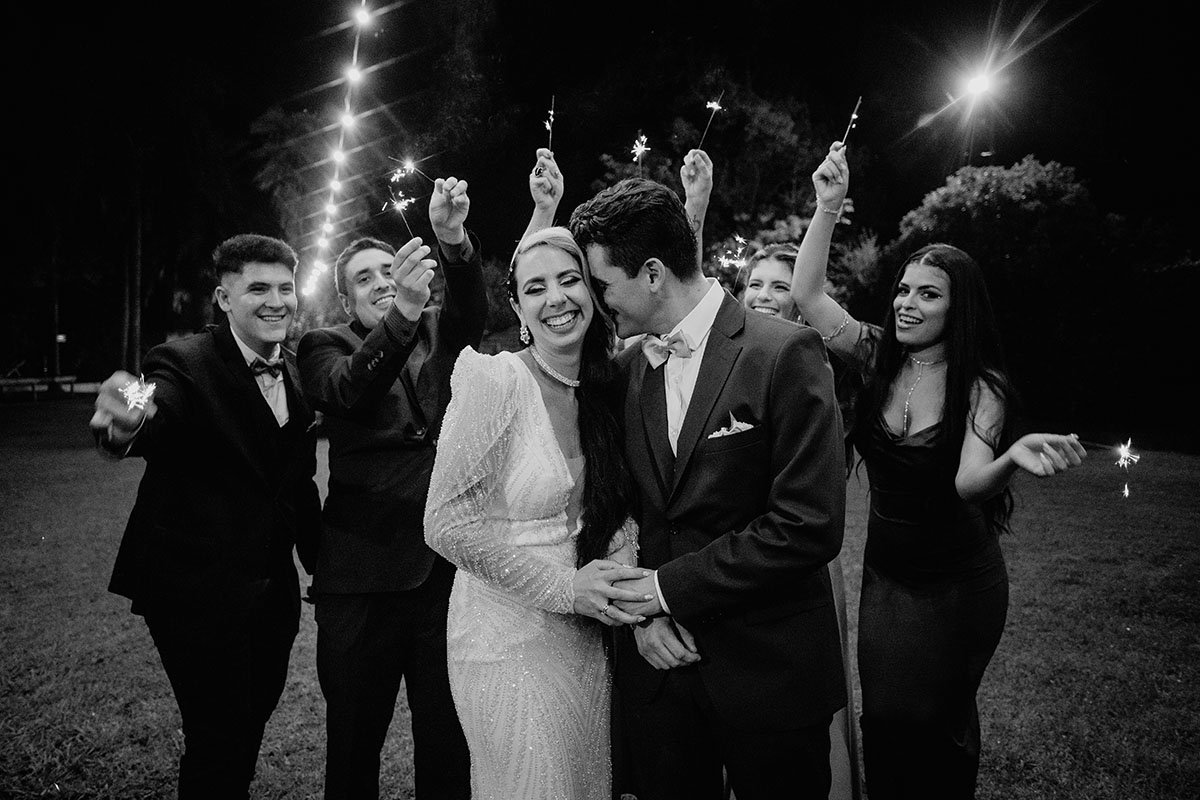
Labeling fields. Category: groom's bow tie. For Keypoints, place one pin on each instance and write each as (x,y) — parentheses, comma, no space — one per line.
(273,367)
(658,349)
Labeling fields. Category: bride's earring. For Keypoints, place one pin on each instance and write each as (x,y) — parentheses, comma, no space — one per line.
(525,337)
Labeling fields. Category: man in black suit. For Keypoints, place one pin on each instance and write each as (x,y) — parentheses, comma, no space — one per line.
(734,436)
(227,493)
(382,382)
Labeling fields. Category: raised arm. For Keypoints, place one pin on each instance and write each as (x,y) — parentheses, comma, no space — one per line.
(697,177)
(546,189)
(464,304)
(838,329)
(983,474)
(340,375)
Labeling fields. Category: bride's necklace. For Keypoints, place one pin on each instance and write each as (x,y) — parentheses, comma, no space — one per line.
(921,365)
(552,372)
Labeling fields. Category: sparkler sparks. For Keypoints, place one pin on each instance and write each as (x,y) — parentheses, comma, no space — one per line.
(734,260)
(407,167)
(137,393)
(549,123)
(639,150)
(398,203)
(1125,458)
(715,105)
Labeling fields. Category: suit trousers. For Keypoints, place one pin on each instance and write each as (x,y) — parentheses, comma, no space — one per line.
(368,643)
(228,671)
(677,748)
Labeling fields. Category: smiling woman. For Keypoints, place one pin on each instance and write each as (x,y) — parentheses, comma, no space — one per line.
(769,287)
(531,499)
(936,426)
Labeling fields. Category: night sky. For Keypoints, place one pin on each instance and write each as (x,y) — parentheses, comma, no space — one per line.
(1104,87)
(1100,86)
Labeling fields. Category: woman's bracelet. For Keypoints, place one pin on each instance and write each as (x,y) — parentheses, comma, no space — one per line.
(822,208)
(842,327)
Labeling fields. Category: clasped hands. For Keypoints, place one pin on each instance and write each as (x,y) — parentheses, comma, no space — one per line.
(619,595)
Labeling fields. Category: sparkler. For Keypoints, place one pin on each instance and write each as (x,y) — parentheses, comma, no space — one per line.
(399,202)
(406,168)
(137,393)
(550,126)
(853,121)
(735,260)
(715,105)
(1126,457)
(639,150)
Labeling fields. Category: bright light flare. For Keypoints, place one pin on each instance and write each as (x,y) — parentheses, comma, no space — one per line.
(362,17)
(354,74)
(347,120)
(979,84)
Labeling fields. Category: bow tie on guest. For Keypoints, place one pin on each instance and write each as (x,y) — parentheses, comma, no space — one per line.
(274,367)
(657,349)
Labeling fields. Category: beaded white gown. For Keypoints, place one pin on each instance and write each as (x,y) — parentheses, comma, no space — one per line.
(530,679)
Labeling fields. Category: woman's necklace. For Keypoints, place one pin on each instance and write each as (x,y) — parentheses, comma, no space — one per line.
(552,372)
(921,365)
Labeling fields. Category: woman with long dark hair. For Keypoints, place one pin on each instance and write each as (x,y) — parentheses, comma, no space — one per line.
(936,426)
(531,499)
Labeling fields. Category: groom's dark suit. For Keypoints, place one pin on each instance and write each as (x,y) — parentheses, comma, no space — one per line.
(740,528)
(207,553)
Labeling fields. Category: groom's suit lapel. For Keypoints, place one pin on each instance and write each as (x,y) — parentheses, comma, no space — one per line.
(720,354)
(650,397)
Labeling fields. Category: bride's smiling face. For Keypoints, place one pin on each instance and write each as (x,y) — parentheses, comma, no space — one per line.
(552,298)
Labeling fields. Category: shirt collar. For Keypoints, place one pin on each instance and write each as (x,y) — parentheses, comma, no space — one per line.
(699,321)
(249,354)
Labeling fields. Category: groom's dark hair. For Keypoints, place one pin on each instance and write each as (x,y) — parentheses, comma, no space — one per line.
(635,220)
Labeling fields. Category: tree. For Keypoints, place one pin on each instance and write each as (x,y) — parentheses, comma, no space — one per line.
(1066,283)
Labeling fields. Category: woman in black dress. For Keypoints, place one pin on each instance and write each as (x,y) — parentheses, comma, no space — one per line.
(935,425)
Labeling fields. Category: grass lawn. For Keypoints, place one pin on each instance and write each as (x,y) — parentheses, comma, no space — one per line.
(1094,692)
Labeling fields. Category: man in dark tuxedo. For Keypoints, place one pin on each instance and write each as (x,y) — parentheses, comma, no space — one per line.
(382,382)
(734,436)
(227,493)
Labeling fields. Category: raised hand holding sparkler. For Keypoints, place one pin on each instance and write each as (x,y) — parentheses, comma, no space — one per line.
(412,273)
(545,186)
(696,175)
(448,209)
(831,181)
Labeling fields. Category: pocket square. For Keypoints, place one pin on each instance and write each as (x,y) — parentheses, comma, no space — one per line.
(735,426)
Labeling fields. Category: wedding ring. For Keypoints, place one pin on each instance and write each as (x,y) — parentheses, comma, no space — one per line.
(537,172)
(604,610)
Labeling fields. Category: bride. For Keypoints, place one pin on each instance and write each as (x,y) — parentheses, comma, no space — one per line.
(531,499)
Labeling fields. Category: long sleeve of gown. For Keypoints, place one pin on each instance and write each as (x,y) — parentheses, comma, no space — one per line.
(465,514)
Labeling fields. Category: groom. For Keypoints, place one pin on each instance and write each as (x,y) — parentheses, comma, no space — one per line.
(734,436)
